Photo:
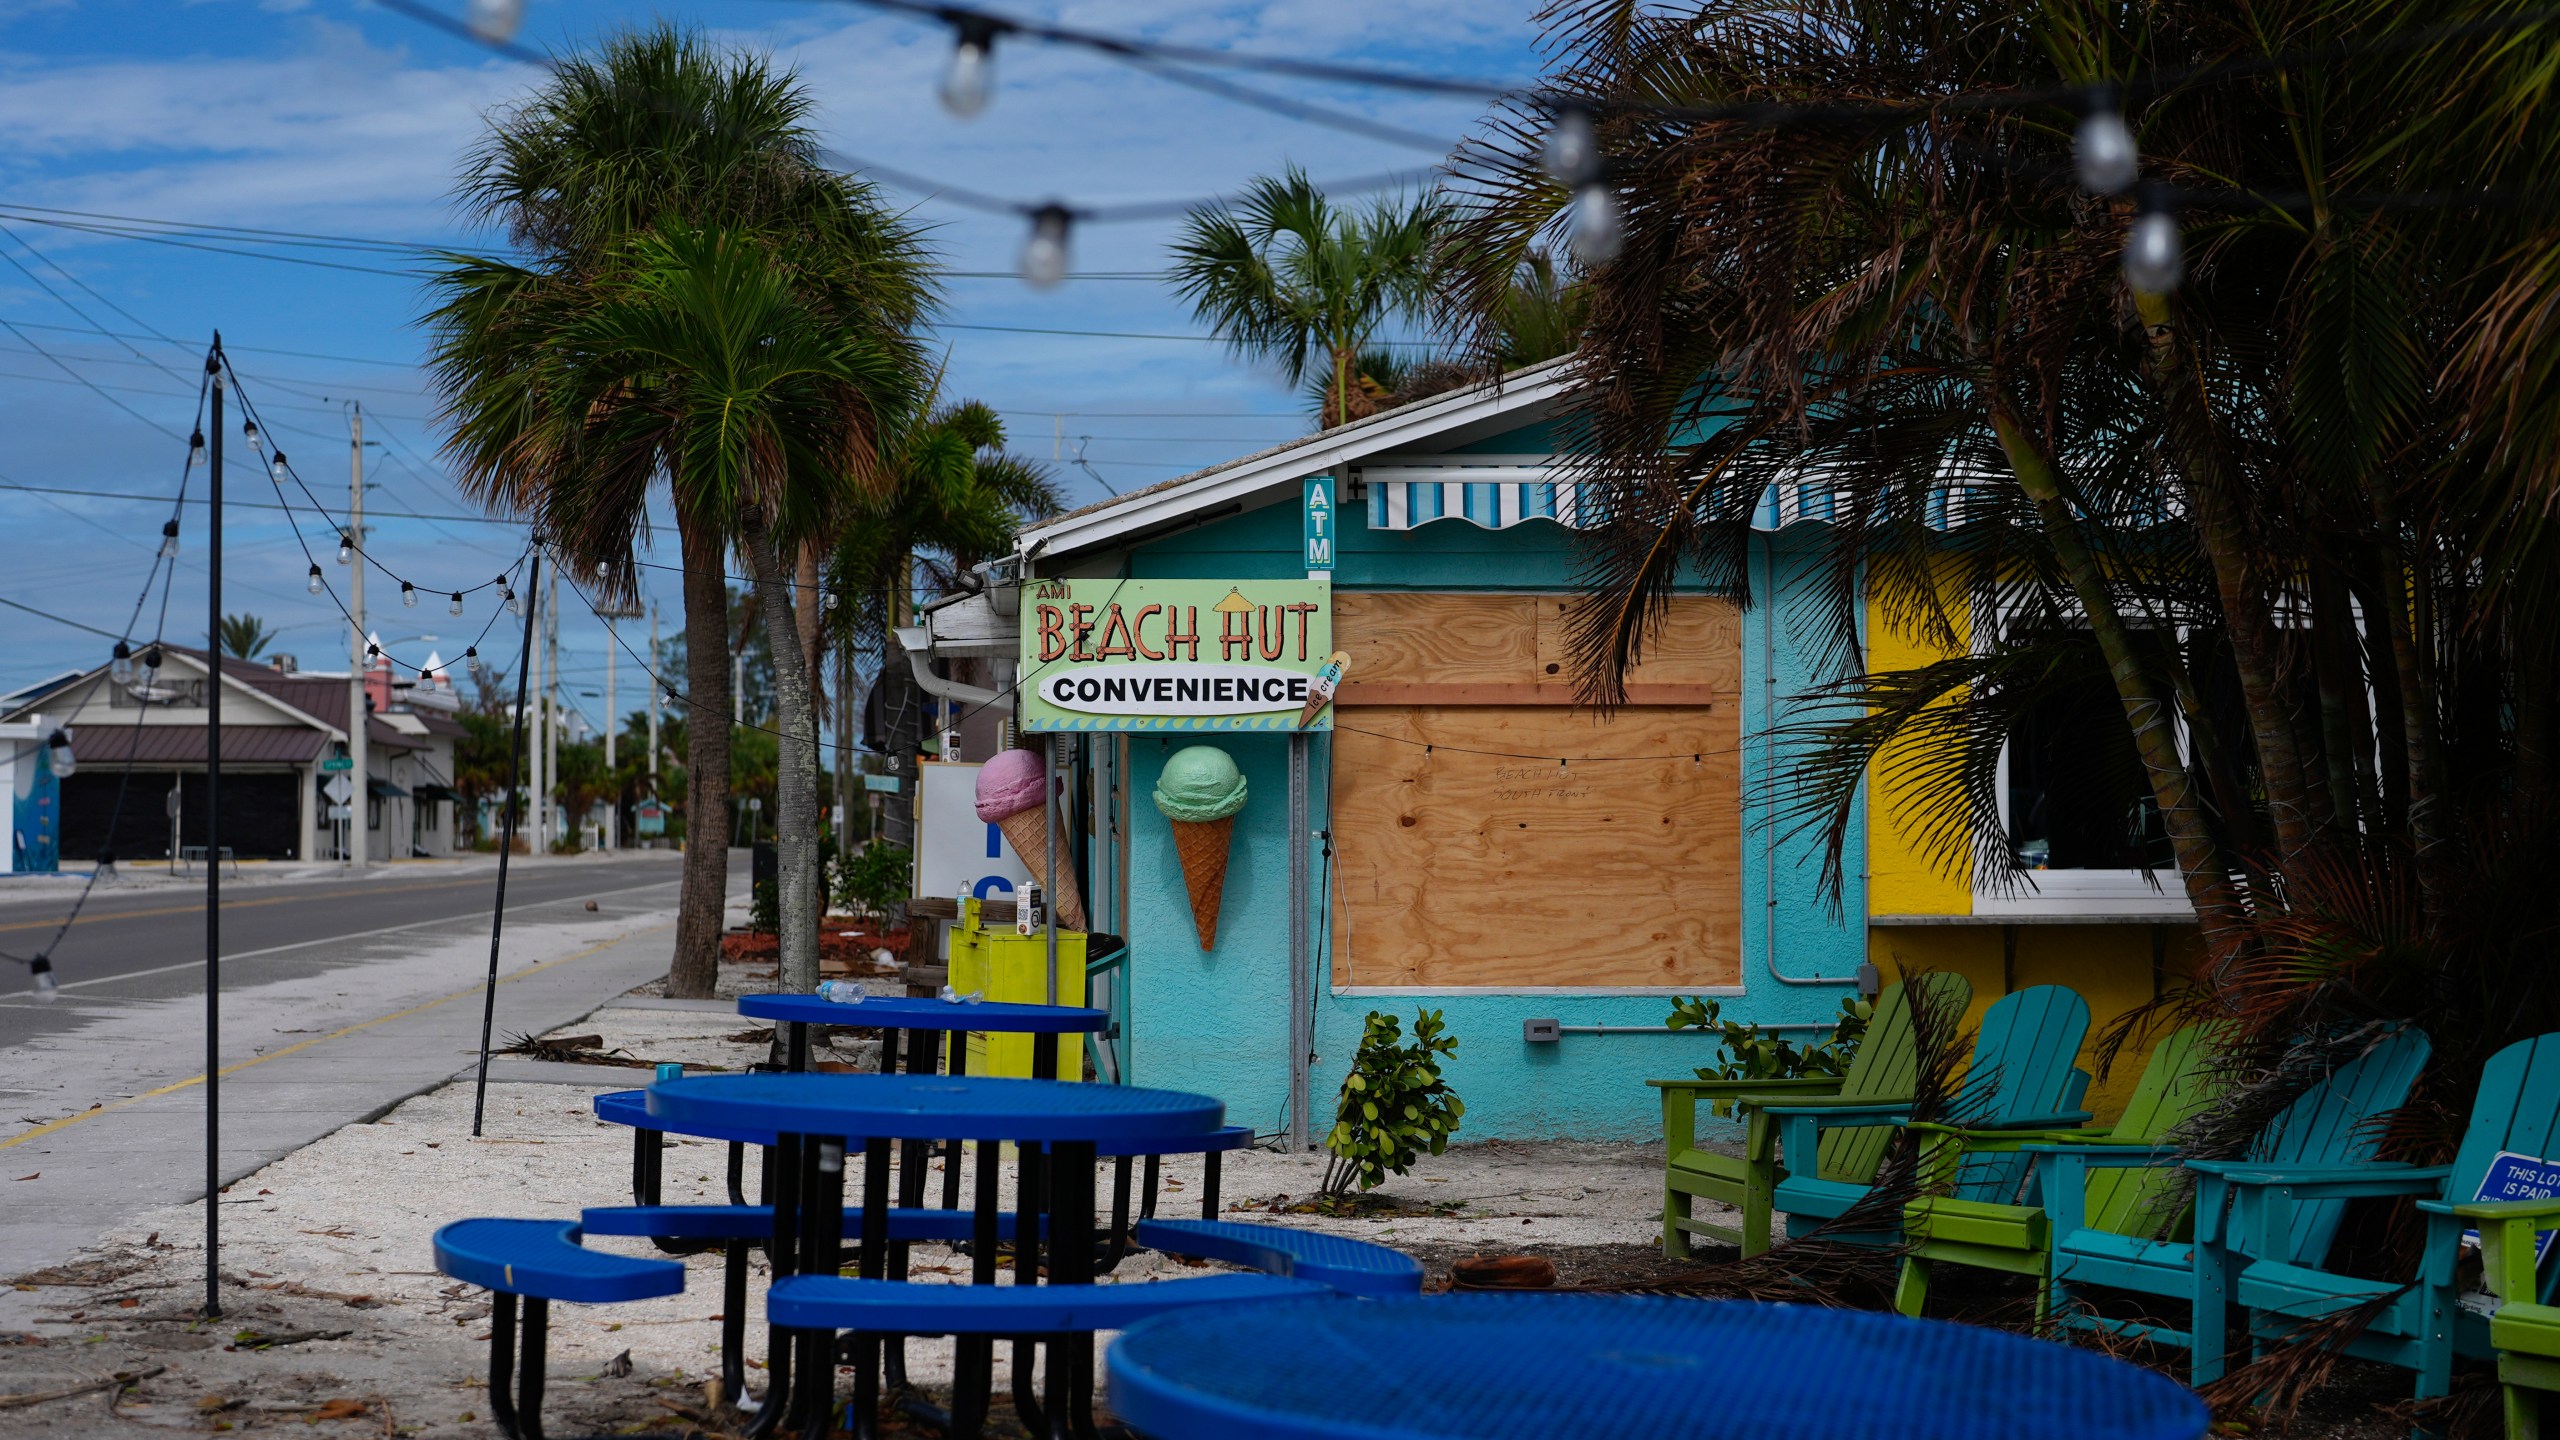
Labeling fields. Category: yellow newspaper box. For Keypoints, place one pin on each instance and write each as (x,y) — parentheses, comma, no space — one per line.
(994,963)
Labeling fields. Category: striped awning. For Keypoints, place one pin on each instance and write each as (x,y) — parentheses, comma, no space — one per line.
(1496,493)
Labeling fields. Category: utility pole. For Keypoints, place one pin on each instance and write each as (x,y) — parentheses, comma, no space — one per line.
(536,810)
(551,716)
(654,689)
(613,808)
(359,804)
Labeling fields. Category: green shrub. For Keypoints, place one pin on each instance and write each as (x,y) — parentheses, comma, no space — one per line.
(764,910)
(874,877)
(1394,1104)
(1752,1053)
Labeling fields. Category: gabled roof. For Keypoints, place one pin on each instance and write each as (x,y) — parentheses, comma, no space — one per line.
(307,699)
(1267,477)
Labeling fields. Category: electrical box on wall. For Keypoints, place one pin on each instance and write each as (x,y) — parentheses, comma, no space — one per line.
(1541,1032)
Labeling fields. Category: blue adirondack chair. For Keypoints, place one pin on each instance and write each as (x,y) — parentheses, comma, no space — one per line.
(2324,1127)
(2423,1326)
(2020,1077)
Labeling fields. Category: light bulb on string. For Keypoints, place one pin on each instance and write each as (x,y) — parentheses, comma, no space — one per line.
(169,538)
(1596,234)
(372,652)
(151,666)
(455,607)
(40,970)
(827,600)
(314,586)
(408,595)
(195,449)
(2103,152)
(276,470)
(495,21)
(1571,154)
(1044,255)
(971,77)
(121,667)
(346,548)
(249,433)
(65,764)
(471,661)
(2155,256)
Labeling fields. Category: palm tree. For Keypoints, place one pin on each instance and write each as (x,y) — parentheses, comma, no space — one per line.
(2290,511)
(1284,275)
(770,411)
(245,635)
(658,128)
(956,498)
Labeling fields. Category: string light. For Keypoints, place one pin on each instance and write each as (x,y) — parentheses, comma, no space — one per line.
(1571,155)
(408,595)
(827,600)
(471,661)
(1596,235)
(151,666)
(2103,151)
(314,586)
(249,433)
(65,764)
(1044,255)
(122,666)
(456,607)
(970,79)
(169,539)
(195,449)
(276,468)
(495,21)
(2154,253)
(346,548)
(48,989)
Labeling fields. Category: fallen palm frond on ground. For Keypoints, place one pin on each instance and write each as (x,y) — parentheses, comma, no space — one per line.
(571,1050)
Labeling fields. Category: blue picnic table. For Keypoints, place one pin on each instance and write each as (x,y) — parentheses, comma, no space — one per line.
(1058,1128)
(1488,1367)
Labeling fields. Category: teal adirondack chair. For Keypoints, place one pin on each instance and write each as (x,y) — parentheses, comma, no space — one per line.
(1885,1068)
(2424,1326)
(2021,1078)
(2324,1127)
(2003,1235)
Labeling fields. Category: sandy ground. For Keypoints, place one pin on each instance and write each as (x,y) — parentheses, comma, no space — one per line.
(334,1316)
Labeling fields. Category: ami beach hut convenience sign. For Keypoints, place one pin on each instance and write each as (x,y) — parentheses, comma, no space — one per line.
(1178,655)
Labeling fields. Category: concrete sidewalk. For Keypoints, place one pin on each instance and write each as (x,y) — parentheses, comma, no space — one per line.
(117,1107)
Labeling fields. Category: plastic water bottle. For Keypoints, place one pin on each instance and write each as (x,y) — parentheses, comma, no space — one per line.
(842,992)
(946,995)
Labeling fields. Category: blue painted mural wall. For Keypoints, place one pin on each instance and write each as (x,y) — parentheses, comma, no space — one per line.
(1218,1022)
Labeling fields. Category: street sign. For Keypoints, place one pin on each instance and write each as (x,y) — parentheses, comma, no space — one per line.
(880,784)
(338,789)
(653,818)
(342,812)
(332,764)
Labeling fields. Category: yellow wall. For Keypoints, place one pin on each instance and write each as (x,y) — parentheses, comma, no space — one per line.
(2110,965)
(1900,880)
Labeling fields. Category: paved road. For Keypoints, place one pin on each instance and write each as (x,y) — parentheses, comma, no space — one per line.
(148,944)
(340,999)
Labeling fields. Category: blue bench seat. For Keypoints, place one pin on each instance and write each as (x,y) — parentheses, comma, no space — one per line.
(543,1259)
(896,1307)
(755,1222)
(1352,1267)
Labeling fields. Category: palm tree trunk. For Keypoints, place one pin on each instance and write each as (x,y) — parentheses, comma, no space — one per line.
(2172,788)
(2296,802)
(2403,584)
(704,897)
(795,766)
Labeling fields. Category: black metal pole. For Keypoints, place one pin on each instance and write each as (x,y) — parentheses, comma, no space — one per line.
(506,837)
(213,862)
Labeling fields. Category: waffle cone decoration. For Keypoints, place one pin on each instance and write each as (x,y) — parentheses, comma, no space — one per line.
(1200,792)
(1202,847)
(1022,829)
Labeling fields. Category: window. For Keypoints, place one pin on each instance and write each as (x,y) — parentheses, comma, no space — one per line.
(2076,794)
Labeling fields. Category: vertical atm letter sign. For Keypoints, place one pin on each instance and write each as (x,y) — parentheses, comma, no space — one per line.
(1320,513)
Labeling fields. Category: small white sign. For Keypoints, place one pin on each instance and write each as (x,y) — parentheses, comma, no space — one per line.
(338,788)
(955,850)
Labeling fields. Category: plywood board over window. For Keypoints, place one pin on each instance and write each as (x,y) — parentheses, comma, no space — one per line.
(1463,865)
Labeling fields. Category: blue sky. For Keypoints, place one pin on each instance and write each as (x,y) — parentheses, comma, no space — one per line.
(338,117)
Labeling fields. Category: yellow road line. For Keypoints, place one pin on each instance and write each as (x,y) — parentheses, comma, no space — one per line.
(66,1122)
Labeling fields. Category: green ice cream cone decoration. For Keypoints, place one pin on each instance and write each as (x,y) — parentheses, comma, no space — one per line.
(1200,792)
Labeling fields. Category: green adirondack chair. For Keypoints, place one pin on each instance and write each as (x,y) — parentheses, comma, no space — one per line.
(2424,1325)
(2525,1334)
(2325,1126)
(1885,1068)
(1997,1234)
(2020,1078)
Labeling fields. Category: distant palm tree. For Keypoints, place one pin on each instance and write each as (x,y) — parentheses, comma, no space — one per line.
(245,635)
(658,128)
(1282,274)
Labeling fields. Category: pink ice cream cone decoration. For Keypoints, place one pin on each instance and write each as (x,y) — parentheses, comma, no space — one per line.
(1012,789)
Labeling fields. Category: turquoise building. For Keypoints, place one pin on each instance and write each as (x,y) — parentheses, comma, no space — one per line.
(1476,844)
